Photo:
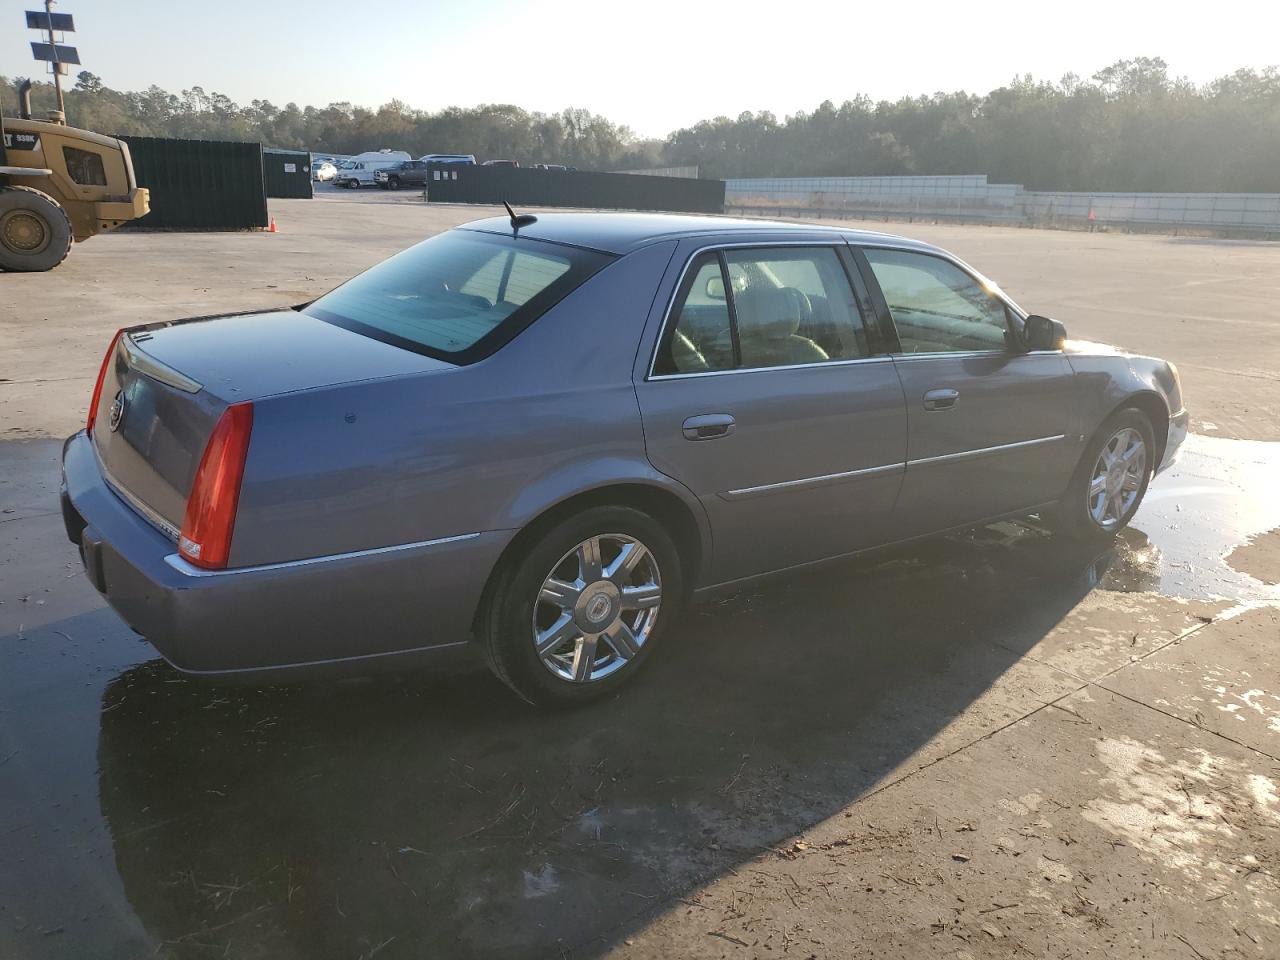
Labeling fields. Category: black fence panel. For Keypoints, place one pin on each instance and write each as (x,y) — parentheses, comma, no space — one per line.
(287,173)
(574,188)
(199,184)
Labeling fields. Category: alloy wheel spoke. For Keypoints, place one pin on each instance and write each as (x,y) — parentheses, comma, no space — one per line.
(1098,485)
(642,597)
(1117,505)
(584,658)
(622,640)
(1131,482)
(626,562)
(561,593)
(558,633)
(589,566)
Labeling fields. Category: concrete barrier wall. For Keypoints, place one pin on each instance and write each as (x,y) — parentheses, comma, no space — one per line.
(974,198)
(687,173)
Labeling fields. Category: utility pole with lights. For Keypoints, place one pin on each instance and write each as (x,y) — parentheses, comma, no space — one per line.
(58,56)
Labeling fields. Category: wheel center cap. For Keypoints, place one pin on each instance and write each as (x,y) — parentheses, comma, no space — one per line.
(598,607)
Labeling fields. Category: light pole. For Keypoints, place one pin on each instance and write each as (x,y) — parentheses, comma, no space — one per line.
(58,56)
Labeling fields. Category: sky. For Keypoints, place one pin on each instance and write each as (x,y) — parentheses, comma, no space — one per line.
(653,65)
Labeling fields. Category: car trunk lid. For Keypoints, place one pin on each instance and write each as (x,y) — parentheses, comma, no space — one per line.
(165,386)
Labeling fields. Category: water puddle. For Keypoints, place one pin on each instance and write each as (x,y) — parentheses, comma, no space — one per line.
(1219,496)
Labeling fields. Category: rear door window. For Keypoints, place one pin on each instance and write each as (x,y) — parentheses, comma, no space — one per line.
(762,307)
(700,334)
(793,305)
(460,295)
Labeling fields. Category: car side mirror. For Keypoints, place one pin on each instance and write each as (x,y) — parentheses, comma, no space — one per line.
(1042,333)
(715,288)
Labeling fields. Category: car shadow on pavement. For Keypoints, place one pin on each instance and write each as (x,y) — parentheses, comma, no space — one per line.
(435,815)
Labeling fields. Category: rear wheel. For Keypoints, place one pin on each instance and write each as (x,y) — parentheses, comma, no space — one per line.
(35,233)
(393,183)
(578,612)
(1111,479)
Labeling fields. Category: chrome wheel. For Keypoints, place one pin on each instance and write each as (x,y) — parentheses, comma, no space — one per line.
(1117,479)
(596,608)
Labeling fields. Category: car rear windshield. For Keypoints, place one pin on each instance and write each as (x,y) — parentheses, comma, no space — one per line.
(460,295)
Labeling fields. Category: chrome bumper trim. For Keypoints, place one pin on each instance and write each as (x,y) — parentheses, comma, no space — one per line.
(191,570)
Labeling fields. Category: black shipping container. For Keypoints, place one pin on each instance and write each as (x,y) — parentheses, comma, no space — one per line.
(287,173)
(574,188)
(199,184)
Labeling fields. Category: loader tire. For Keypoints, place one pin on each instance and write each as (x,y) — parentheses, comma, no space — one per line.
(35,232)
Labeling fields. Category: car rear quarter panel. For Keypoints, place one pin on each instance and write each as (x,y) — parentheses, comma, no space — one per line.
(484,447)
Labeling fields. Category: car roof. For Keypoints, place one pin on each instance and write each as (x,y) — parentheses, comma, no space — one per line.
(622,233)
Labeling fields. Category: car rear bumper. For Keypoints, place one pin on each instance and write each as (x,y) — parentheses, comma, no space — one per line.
(1179,424)
(348,610)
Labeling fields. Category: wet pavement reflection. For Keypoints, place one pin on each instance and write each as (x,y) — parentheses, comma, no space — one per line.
(433,815)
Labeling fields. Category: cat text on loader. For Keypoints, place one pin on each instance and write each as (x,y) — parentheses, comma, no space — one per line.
(59,184)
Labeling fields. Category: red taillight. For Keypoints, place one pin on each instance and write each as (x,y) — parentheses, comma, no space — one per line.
(215,492)
(97,387)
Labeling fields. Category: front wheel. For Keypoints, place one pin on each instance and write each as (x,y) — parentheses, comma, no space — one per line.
(579,611)
(1111,479)
(393,183)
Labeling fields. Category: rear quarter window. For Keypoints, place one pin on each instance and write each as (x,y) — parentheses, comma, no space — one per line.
(458,296)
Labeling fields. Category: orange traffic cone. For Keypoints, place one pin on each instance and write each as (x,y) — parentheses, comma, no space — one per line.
(272,227)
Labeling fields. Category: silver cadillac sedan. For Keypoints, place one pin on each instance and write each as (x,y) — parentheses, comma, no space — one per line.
(542,435)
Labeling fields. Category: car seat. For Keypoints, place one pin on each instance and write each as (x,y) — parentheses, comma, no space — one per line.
(768,318)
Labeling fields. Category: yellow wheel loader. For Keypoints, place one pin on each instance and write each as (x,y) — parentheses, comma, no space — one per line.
(59,184)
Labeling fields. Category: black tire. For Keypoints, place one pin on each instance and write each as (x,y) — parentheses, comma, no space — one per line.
(35,232)
(393,183)
(506,623)
(1072,516)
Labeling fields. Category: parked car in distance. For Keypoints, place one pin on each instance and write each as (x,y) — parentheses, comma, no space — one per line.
(501,163)
(462,159)
(324,171)
(359,170)
(549,166)
(406,173)
(453,448)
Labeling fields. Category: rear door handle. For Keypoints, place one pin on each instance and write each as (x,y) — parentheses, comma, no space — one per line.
(709,426)
(941,399)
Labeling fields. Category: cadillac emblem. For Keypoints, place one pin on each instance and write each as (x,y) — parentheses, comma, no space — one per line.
(116,414)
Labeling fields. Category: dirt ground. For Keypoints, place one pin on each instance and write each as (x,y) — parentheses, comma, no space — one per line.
(990,745)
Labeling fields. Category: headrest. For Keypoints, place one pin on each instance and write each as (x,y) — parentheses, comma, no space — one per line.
(768,312)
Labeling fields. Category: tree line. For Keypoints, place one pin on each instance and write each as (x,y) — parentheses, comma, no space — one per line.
(1128,127)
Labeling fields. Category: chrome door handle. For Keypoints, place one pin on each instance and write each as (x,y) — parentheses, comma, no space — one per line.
(709,426)
(941,399)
